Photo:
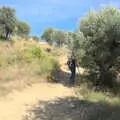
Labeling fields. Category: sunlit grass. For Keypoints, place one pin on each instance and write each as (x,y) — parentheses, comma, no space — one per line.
(23,62)
(96,96)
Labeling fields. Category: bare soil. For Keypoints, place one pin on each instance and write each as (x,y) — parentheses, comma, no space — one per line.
(15,105)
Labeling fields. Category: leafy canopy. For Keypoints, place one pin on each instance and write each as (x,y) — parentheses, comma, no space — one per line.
(7,20)
(22,28)
(9,24)
(97,44)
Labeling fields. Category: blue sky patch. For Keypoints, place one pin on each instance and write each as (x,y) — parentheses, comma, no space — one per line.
(61,14)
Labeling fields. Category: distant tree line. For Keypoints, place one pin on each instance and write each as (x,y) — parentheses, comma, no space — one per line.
(57,37)
(10,24)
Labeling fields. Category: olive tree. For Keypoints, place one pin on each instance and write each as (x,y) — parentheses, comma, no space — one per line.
(60,37)
(97,44)
(48,35)
(22,28)
(7,21)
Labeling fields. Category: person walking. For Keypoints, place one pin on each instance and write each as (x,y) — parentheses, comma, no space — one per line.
(72,66)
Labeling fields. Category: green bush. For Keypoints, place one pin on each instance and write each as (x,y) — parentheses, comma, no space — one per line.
(28,54)
(33,52)
(97,45)
(30,58)
(42,62)
(46,65)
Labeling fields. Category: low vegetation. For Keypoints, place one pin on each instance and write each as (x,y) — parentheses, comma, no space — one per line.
(23,62)
(86,91)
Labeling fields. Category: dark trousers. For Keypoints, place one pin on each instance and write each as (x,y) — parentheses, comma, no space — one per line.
(72,76)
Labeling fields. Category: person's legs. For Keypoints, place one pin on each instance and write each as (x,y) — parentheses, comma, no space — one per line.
(72,77)
(70,80)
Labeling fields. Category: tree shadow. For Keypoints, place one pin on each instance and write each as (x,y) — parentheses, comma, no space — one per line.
(71,108)
(63,77)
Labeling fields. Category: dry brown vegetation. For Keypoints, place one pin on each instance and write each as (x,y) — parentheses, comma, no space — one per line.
(22,62)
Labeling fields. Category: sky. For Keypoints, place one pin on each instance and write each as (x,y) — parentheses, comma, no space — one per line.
(60,14)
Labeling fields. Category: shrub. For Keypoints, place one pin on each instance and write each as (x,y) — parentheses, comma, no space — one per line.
(33,52)
(97,45)
(42,62)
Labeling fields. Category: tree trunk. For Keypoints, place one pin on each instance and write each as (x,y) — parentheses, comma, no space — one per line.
(106,76)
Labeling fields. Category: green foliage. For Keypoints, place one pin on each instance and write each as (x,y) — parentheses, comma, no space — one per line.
(7,21)
(31,59)
(22,64)
(70,37)
(47,64)
(97,96)
(36,38)
(28,54)
(32,52)
(97,44)
(22,28)
(9,24)
(35,55)
(57,37)
(48,35)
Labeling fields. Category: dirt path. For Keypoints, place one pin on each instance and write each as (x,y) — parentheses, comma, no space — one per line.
(45,101)
(13,107)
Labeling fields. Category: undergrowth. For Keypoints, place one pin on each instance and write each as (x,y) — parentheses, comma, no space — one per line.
(86,91)
(22,63)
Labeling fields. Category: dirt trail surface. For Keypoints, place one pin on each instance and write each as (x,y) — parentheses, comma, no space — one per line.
(14,106)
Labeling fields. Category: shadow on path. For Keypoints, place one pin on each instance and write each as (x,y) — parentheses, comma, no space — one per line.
(71,108)
(62,77)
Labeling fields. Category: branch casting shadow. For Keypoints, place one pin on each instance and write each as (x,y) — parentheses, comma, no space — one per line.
(71,108)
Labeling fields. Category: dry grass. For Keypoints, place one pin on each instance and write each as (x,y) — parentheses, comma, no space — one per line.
(19,67)
(90,94)
(44,45)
